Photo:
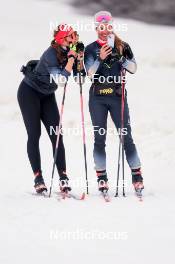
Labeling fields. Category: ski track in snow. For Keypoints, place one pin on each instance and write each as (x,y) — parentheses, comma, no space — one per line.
(28,222)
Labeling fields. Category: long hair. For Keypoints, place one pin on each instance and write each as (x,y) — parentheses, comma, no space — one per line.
(119,44)
(60,53)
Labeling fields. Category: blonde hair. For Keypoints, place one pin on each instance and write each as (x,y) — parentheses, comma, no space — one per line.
(119,44)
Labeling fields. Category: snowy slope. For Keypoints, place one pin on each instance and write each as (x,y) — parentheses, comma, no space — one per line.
(143,231)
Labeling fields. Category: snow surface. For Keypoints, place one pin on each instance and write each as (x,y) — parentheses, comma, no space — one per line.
(144,231)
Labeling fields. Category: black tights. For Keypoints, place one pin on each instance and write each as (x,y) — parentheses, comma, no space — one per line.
(37,107)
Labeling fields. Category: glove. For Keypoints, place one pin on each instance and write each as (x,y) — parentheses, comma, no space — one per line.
(122,59)
(78,47)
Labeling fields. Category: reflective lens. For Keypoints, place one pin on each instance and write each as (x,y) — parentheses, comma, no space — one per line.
(103,18)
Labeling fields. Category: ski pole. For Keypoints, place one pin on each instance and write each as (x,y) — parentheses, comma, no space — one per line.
(58,137)
(122,136)
(118,168)
(83,127)
(121,143)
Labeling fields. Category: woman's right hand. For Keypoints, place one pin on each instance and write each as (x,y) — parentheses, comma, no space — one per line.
(105,51)
(72,54)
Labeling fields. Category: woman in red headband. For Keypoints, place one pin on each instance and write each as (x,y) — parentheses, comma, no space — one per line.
(36,97)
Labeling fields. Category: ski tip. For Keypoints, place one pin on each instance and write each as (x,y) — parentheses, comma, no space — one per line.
(140,199)
(41,194)
(83,196)
(45,194)
(139,195)
(106,197)
(63,195)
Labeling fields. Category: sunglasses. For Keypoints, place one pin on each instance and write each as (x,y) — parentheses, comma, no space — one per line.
(103,18)
(72,35)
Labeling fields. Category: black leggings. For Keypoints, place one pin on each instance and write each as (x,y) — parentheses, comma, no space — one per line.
(37,107)
(99,107)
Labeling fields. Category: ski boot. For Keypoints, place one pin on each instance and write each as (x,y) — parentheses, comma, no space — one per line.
(64,183)
(39,186)
(102,181)
(137,181)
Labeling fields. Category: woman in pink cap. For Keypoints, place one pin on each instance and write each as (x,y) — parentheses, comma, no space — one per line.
(105,58)
(36,97)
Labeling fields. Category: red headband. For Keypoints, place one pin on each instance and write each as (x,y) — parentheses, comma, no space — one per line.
(63,32)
